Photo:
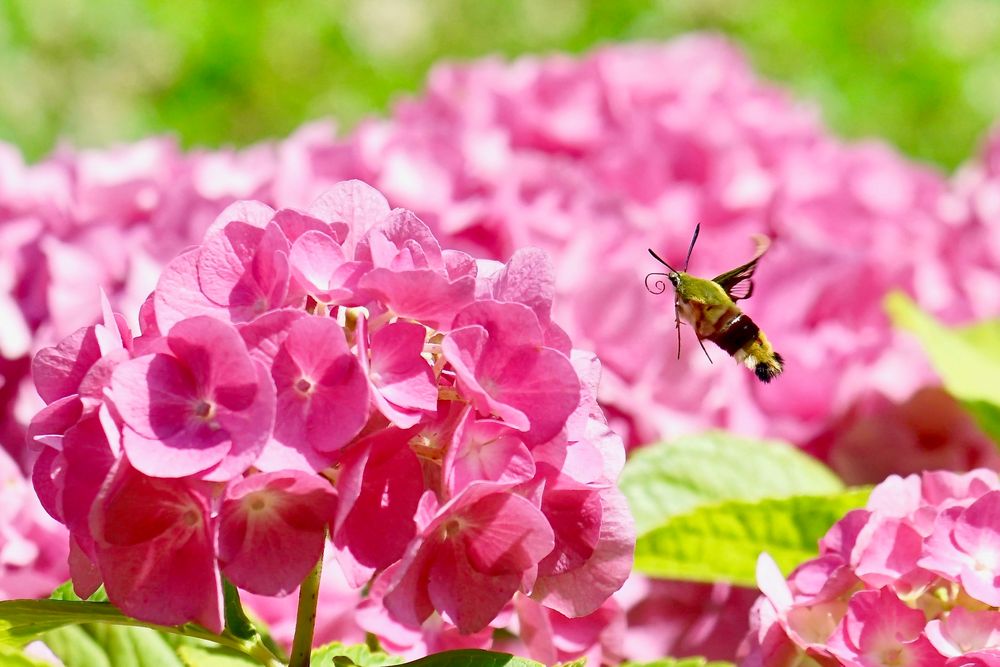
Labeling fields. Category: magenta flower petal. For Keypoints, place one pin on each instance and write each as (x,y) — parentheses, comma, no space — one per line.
(272,529)
(420,294)
(403,385)
(152,535)
(580,590)
(380,484)
(486,450)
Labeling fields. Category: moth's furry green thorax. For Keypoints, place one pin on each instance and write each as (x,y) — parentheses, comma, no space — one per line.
(690,288)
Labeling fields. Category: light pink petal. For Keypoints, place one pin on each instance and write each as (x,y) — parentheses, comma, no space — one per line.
(355,203)
(505,533)
(178,293)
(252,213)
(314,258)
(528,278)
(420,294)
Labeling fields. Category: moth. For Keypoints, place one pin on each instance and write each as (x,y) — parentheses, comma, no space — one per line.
(709,306)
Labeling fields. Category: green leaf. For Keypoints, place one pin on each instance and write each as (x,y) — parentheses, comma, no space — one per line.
(213,656)
(680,662)
(670,478)
(721,542)
(358,654)
(98,645)
(968,360)
(236,619)
(65,592)
(22,621)
(13,657)
(472,658)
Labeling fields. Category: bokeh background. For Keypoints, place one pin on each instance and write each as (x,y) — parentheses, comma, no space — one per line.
(922,74)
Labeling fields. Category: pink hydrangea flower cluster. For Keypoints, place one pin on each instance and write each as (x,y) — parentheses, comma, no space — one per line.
(335,371)
(32,545)
(912,579)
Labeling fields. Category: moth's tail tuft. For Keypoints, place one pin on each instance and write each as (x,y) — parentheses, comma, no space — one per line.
(768,366)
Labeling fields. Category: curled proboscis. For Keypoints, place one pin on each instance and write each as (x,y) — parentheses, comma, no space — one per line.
(660,285)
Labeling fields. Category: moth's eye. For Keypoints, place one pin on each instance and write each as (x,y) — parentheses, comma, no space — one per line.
(675,278)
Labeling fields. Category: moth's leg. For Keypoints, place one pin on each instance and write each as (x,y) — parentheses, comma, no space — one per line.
(677,325)
(704,350)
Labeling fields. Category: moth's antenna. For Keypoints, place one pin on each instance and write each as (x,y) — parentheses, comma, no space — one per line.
(697,228)
(661,260)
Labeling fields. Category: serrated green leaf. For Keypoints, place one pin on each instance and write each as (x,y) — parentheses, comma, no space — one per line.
(968,360)
(721,542)
(670,478)
(472,658)
(357,654)
(579,662)
(14,657)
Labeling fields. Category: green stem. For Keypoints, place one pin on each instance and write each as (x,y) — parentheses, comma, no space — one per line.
(305,618)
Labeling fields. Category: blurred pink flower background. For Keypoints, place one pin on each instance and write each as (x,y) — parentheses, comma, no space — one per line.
(593,160)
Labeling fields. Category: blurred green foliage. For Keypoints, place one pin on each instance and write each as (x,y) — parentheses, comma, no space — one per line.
(924,74)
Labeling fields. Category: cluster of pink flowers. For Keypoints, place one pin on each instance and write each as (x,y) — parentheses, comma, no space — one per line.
(912,579)
(334,371)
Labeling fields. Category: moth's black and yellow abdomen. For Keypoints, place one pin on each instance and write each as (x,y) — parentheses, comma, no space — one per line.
(768,369)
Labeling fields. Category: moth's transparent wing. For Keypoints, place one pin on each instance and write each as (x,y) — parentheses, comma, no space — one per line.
(738,283)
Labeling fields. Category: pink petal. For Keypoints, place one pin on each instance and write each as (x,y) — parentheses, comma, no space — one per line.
(152,534)
(272,529)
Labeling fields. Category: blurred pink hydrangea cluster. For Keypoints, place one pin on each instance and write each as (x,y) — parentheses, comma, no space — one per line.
(912,579)
(32,545)
(335,371)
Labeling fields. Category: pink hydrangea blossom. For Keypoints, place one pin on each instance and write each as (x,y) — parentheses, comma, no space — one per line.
(433,423)
(909,580)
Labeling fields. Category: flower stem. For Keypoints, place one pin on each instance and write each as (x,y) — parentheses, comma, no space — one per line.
(305,618)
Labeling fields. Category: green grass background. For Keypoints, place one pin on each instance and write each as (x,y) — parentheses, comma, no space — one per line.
(923,74)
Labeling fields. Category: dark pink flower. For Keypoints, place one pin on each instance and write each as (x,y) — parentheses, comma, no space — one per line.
(272,528)
(155,545)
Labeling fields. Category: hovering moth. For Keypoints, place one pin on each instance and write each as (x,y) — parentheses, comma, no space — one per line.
(709,306)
